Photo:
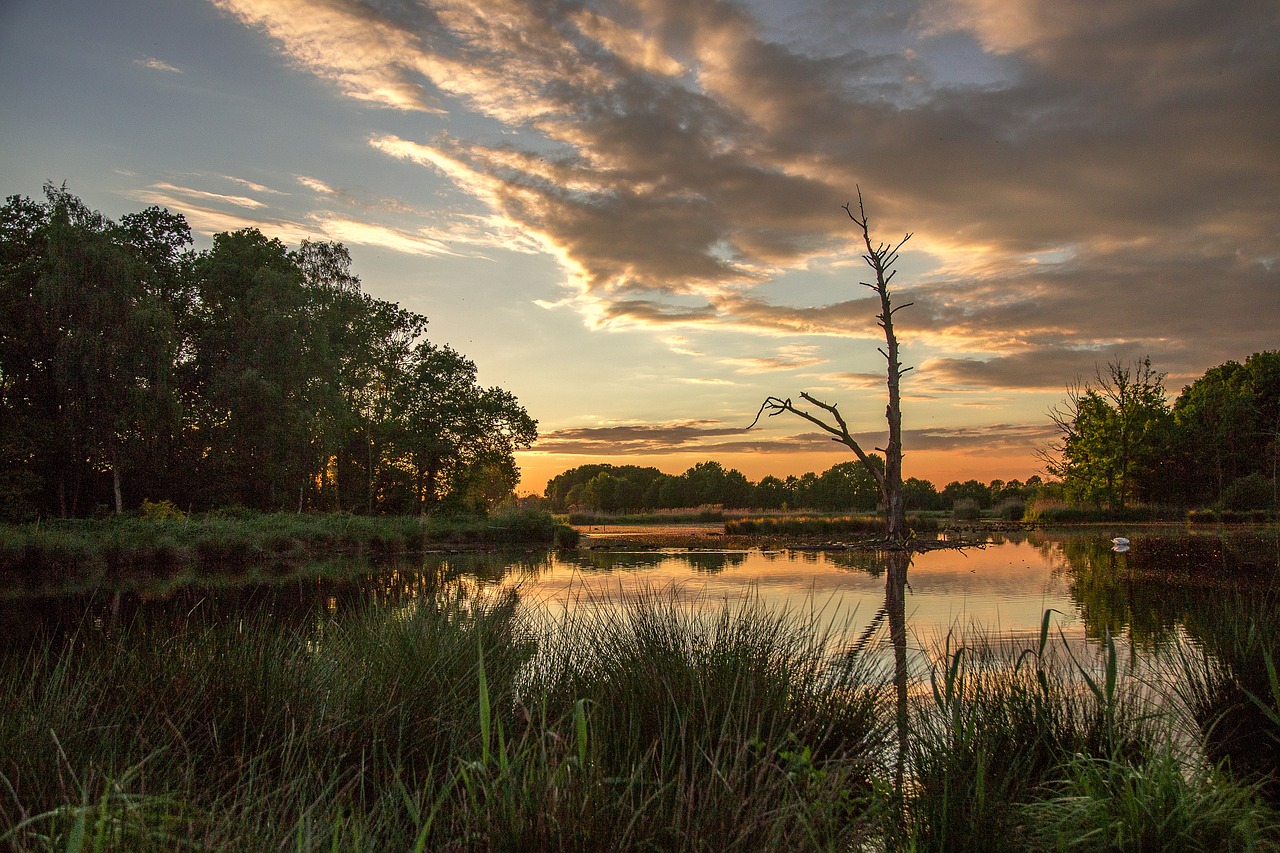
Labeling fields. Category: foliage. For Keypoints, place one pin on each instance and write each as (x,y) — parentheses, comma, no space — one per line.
(458,721)
(134,368)
(1217,446)
(1113,434)
(454,723)
(1228,431)
(629,492)
(161,510)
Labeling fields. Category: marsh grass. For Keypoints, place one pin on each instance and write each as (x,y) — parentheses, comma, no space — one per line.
(1228,683)
(1037,748)
(460,722)
(438,725)
(59,553)
(1162,803)
(728,728)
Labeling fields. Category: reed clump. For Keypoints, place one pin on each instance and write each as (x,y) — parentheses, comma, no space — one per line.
(449,724)
(461,722)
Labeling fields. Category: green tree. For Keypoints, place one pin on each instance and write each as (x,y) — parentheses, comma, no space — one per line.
(255,367)
(132,367)
(1113,436)
(969,490)
(1228,426)
(847,486)
(89,345)
(456,438)
(920,495)
(771,493)
(364,347)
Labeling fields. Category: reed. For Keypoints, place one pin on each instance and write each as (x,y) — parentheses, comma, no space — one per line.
(450,723)
(457,722)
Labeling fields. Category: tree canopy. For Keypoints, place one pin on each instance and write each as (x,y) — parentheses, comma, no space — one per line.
(1120,441)
(133,367)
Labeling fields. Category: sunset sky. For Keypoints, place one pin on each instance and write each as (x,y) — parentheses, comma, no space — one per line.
(628,212)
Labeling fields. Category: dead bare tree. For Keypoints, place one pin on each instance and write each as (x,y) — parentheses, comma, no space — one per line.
(880,257)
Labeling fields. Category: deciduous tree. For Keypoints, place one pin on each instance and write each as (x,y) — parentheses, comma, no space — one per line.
(1113,435)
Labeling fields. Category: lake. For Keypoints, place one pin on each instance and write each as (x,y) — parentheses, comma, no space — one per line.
(294,708)
(1170,580)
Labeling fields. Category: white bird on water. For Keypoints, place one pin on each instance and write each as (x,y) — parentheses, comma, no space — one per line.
(1120,543)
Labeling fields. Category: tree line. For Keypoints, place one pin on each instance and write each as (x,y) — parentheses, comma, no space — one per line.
(1121,442)
(844,487)
(133,367)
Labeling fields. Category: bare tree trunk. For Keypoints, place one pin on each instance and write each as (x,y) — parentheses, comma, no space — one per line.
(880,257)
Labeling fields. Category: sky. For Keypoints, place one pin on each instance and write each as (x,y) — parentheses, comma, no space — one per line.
(629,213)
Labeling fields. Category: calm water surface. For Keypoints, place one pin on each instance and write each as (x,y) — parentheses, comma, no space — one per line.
(1172,581)
(1004,587)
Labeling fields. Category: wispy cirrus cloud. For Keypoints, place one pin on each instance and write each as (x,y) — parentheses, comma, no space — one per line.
(211,213)
(790,357)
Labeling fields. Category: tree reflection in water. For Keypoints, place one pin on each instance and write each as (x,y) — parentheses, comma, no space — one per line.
(895,586)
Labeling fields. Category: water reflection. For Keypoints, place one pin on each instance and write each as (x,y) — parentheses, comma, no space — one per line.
(1166,582)
(1169,581)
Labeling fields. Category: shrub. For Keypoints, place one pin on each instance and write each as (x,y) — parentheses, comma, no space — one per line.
(1011,509)
(161,511)
(966,509)
(1249,493)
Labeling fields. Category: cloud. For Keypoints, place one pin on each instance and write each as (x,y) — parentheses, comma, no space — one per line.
(1083,178)
(157,65)
(200,209)
(787,358)
(345,230)
(206,196)
(628,439)
(708,438)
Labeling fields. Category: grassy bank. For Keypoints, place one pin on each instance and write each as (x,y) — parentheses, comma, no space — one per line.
(694,515)
(461,724)
(93,552)
(819,524)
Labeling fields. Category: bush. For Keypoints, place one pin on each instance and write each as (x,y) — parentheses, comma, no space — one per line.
(966,509)
(1249,493)
(1011,509)
(161,511)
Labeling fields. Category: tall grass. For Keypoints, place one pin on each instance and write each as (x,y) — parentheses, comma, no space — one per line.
(1229,684)
(459,722)
(94,552)
(1038,749)
(733,729)
(1163,803)
(436,726)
